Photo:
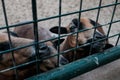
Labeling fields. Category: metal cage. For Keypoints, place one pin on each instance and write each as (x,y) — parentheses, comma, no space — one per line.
(75,68)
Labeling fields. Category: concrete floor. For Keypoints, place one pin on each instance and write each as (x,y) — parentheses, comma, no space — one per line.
(110,71)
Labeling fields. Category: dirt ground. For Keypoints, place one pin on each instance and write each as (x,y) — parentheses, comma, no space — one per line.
(19,11)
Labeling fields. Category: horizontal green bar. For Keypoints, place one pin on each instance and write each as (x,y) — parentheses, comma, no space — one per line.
(62,15)
(21,65)
(81,66)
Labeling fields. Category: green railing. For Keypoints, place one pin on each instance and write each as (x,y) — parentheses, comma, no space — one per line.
(80,66)
(75,68)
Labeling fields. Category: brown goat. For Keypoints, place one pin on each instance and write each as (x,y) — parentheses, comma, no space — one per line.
(21,56)
(83,37)
(26,31)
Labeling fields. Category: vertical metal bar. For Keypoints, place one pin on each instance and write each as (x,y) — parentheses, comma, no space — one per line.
(60,7)
(113,13)
(80,8)
(117,40)
(95,27)
(35,27)
(10,42)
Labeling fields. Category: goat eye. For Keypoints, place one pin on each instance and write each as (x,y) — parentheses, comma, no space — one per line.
(98,37)
(72,27)
(43,46)
(89,40)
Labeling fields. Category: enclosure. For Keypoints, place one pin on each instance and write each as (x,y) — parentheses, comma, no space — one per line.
(49,13)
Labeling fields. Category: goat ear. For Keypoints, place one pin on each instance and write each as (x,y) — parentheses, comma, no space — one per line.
(75,21)
(94,23)
(107,46)
(55,29)
(100,29)
(4,46)
(55,42)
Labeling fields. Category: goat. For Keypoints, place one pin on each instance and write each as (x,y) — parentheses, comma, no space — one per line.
(83,37)
(22,56)
(26,31)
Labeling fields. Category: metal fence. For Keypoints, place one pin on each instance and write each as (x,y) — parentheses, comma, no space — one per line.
(75,68)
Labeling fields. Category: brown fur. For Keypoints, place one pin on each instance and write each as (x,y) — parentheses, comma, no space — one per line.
(20,57)
(26,31)
(70,41)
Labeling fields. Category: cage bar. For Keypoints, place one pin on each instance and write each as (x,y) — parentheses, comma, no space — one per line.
(80,8)
(117,40)
(58,56)
(72,69)
(10,42)
(113,13)
(62,15)
(36,37)
(95,27)
(80,66)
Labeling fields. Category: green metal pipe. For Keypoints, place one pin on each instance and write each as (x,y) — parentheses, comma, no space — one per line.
(80,66)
